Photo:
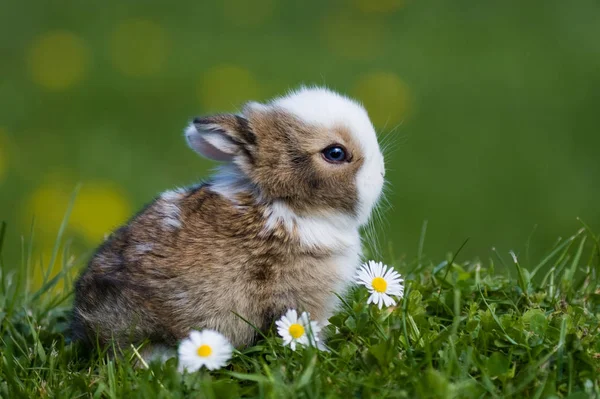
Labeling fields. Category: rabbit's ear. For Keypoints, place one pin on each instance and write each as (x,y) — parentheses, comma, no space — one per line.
(220,137)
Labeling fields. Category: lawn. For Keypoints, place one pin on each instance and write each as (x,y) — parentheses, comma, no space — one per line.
(506,326)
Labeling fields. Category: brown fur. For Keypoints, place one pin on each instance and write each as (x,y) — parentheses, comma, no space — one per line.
(154,281)
(174,287)
(293,148)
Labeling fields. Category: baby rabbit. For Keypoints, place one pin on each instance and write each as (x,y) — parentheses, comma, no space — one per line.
(276,228)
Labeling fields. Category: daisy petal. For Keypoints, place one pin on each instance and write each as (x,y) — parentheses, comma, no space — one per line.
(388,300)
(381,270)
(304,318)
(195,337)
(372,298)
(291,316)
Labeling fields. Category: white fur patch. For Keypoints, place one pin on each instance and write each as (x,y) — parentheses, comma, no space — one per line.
(336,231)
(157,352)
(347,265)
(169,208)
(143,248)
(323,107)
(279,213)
(229,182)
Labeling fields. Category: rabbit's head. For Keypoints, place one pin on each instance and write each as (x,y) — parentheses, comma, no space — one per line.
(314,150)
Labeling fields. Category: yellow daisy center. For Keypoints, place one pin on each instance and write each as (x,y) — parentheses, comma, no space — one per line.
(204,351)
(296,330)
(379,284)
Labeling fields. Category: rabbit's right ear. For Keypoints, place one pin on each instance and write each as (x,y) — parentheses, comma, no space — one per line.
(220,137)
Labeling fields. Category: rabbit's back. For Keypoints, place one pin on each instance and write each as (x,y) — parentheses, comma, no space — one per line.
(194,259)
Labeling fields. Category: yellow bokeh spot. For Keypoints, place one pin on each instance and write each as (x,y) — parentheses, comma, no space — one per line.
(48,204)
(296,330)
(353,36)
(204,351)
(99,208)
(58,60)
(379,284)
(44,272)
(248,13)
(379,5)
(385,96)
(3,156)
(138,47)
(227,87)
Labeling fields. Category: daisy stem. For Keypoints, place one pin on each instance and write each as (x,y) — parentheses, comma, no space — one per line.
(449,266)
(405,330)
(376,323)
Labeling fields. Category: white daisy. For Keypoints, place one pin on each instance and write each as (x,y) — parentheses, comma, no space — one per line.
(381,283)
(297,330)
(206,348)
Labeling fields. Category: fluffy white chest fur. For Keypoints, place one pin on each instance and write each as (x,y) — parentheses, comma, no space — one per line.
(337,233)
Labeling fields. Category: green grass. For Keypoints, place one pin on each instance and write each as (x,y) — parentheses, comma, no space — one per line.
(497,328)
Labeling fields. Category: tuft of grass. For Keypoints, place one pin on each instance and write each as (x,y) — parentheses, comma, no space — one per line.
(463,330)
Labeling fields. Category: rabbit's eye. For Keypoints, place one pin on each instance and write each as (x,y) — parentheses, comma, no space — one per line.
(335,154)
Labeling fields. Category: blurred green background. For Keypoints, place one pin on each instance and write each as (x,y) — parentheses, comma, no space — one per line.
(494,107)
